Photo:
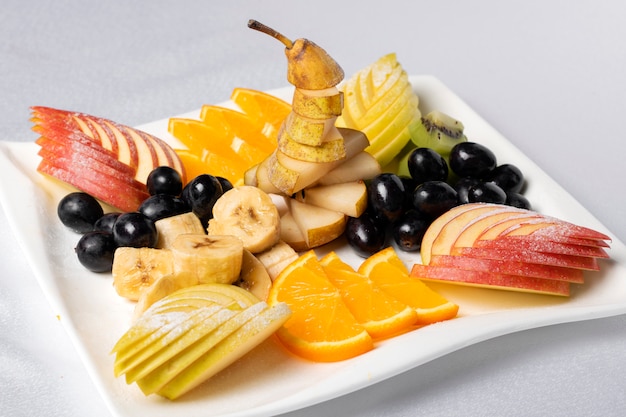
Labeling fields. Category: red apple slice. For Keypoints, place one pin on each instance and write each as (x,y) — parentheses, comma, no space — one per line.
(534,244)
(490,280)
(509,267)
(568,261)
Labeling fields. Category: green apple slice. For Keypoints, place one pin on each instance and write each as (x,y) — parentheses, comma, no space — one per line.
(126,358)
(233,347)
(159,377)
(201,324)
(242,296)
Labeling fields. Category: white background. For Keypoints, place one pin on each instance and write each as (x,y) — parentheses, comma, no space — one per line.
(549,75)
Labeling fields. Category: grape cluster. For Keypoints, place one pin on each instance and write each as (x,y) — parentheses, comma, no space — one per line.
(402,208)
(102,233)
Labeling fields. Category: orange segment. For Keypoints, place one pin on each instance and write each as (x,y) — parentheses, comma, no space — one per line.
(209,163)
(381,314)
(239,125)
(387,271)
(321,327)
(265,109)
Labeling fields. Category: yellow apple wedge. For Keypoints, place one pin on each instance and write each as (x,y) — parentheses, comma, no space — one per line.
(245,338)
(349,198)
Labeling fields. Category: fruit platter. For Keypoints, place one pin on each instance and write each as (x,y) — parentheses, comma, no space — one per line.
(270,379)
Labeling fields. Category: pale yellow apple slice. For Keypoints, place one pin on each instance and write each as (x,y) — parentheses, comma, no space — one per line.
(317,104)
(216,292)
(381,77)
(228,350)
(389,125)
(362,166)
(161,288)
(350,198)
(390,103)
(153,354)
(291,234)
(318,225)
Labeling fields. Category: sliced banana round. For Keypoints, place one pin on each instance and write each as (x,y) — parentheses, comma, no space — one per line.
(135,269)
(210,259)
(248,213)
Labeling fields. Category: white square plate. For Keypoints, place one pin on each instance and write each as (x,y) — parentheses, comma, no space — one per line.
(269,381)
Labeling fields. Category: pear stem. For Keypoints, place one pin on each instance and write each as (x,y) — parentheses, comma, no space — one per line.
(256,25)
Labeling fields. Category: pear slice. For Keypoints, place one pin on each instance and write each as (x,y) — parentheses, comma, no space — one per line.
(261,176)
(281,254)
(350,198)
(291,175)
(159,377)
(362,166)
(291,234)
(310,131)
(318,225)
(317,104)
(329,150)
(230,349)
(203,322)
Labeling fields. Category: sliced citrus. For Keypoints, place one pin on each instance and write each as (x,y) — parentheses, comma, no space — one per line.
(381,314)
(265,109)
(321,327)
(210,163)
(387,271)
(239,125)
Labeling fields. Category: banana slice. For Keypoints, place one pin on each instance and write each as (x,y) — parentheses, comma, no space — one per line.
(169,228)
(249,214)
(209,259)
(254,277)
(135,269)
(277,258)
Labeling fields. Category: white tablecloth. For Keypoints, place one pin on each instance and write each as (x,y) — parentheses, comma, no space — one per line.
(549,75)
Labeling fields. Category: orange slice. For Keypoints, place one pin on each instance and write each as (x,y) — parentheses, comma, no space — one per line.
(265,109)
(387,271)
(381,314)
(210,163)
(321,327)
(239,125)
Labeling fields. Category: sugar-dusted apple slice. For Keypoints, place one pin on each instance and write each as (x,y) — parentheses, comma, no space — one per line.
(246,336)
(452,229)
(490,280)
(438,224)
(568,261)
(534,244)
(509,267)
(197,323)
(349,198)
(318,225)
(362,166)
(470,234)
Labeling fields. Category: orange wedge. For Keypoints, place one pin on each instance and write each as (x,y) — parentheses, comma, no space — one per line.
(321,327)
(210,163)
(265,109)
(381,314)
(386,270)
(239,125)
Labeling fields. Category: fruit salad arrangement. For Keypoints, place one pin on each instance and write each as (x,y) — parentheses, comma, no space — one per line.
(216,242)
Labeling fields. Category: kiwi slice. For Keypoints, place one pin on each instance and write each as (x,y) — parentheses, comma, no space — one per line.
(437,131)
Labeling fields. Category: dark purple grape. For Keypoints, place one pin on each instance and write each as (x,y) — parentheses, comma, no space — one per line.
(106,222)
(508,177)
(434,198)
(517,200)
(159,206)
(386,196)
(134,230)
(164,180)
(79,211)
(226,184)
(427,165)
(200,194)
(365,235)
(95,251)
(462,188)
(409,230)
(486,192)
(471,159)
